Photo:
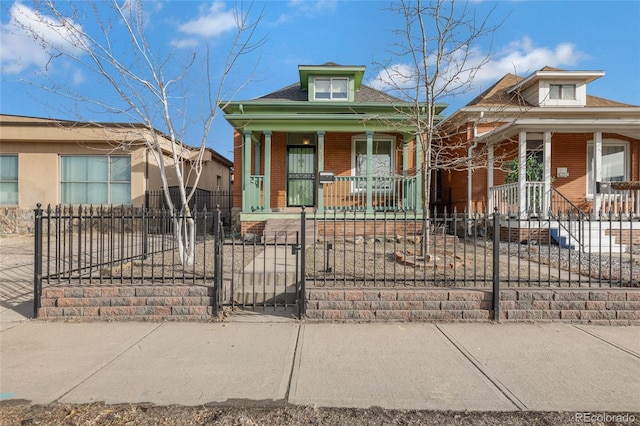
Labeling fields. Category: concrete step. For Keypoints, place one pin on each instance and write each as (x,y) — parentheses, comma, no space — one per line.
(285,231)
(590,239)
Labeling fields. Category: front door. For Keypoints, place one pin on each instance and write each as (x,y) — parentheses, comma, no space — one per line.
(301,176)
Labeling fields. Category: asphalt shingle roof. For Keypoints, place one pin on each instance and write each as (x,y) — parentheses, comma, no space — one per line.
(293,93)
(497,95)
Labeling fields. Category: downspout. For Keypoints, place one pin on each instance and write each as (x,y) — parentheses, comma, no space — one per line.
(469,171)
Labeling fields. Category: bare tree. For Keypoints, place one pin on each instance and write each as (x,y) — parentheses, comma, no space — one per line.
(436,58)
(169,92)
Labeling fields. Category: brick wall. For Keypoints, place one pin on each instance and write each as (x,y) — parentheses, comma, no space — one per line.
(252,227)
(519,235)
(617,307)
(627,237)
(352,228)
(128,302)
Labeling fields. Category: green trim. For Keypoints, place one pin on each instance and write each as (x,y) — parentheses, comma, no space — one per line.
(267,171)
(356,72)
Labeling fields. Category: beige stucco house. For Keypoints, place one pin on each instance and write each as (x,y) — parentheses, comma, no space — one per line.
(55,162)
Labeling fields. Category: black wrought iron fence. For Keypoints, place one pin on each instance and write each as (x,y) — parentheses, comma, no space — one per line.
(461,250)
(89,245)
(123,245)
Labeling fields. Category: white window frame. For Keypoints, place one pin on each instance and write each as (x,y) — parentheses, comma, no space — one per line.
(376,138)
(12,181)
(562,89)
(606,142)
(108,182)
(332,94)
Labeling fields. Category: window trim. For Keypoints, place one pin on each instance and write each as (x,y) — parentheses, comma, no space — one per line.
(331,92)
(108,182)
(13,181)
(608,142)
(376,138)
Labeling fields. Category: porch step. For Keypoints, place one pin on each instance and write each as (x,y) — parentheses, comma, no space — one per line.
(119,302)
(285,231)
(591,239)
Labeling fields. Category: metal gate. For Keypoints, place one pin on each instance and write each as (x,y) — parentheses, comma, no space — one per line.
(267,272)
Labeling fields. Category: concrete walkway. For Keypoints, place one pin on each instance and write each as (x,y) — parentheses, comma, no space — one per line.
(266,359)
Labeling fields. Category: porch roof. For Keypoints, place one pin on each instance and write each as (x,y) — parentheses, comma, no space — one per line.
(629,127)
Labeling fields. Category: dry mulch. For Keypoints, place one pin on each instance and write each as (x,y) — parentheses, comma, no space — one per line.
(140,414)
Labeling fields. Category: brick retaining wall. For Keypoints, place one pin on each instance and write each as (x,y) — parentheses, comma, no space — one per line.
(611,306)
(128,302)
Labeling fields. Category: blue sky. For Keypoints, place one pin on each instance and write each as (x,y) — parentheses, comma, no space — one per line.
(580,35)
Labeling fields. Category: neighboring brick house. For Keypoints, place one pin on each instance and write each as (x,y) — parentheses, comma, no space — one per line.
(586,148)
(63,162)
(326,142)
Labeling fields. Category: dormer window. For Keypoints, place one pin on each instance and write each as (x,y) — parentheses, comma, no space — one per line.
(331,88)
(562,92)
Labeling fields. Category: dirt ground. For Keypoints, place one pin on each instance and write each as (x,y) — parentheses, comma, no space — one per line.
(100,414)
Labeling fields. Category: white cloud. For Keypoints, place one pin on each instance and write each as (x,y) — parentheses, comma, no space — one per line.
(314,7)
(523,57)
(184,43)
(518,57)
(29,39)
(214,22)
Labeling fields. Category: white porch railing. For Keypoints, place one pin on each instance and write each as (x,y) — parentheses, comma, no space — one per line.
(389,193)
(620,201)
(505,198)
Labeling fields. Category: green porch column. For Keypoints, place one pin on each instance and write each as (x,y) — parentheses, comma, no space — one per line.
(267,171)
(246,171)
(320,201)
(369,171)
(419,167)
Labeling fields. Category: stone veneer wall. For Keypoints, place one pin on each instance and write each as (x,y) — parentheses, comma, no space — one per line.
(16,221)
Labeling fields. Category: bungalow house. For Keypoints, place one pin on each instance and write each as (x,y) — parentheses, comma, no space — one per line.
(575,150)
(547,147)
(326,142)
(63,162)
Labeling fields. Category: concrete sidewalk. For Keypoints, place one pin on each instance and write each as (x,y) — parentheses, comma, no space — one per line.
(258,359)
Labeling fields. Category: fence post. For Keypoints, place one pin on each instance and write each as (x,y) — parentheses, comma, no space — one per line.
(217,261)
(496,265)
(37,266)
(302,307)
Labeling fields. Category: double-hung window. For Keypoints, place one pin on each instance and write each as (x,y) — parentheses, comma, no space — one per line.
(562,92)
(95,179)
(8,180)
(614,164)
(381,162)
(331,88)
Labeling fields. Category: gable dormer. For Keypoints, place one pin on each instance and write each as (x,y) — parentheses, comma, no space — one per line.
(552,87)
(331,82)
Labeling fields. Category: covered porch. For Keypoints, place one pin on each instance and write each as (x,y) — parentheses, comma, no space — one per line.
(329,170)
(575,172)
